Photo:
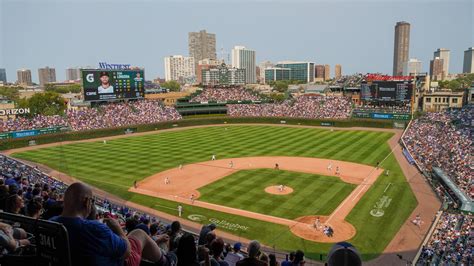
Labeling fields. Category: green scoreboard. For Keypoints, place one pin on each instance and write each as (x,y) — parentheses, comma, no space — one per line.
(106,84)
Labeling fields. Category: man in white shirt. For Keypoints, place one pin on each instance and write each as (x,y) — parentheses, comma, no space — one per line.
(105,86)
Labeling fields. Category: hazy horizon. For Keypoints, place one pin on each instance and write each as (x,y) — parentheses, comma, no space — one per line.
(358,35)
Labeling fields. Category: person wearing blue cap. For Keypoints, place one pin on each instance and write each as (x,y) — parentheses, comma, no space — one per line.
(235,255)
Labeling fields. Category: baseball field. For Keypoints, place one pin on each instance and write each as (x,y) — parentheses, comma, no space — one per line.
(237,197)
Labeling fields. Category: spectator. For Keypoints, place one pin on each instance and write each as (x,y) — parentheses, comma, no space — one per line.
(343,253)
(94,243)
(174,234)
(186,251)
(290,261)
(235,255)
(253,254)
(217,247)
(14,204)
(204,231)
(273,261)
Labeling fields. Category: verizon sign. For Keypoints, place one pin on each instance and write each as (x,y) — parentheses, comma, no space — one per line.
(18,111)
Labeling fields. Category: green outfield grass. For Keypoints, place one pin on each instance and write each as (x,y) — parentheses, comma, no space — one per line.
(312,194)
(114,166)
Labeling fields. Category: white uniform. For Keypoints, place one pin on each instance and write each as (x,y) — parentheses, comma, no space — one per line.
(180,210)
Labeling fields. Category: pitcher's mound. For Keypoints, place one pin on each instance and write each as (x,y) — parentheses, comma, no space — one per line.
(277,190)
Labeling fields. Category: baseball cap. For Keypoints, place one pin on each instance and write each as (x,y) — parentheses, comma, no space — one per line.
(104,73)
(237,246)
(344,254)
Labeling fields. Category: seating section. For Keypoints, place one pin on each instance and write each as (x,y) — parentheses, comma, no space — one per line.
(451,242)
(311,107)
(105,116)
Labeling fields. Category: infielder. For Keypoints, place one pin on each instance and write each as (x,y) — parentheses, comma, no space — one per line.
(213,158)
(231,164)
(329,166)
(337,170)
(317,223)
(167,181)
(192,198)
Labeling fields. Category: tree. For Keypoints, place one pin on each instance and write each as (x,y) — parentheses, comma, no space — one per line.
(10,93)
(281,86)
(47,103)
(171,85)
(277,97)
(72,88)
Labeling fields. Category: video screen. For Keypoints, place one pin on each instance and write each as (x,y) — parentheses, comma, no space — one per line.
(104,85)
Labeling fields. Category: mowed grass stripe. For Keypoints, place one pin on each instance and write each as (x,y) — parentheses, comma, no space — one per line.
(313,194)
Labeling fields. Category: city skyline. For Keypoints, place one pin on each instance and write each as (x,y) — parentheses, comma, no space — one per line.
(355,41)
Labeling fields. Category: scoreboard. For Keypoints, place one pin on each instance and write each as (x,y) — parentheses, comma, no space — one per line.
(104,85)
(387,91)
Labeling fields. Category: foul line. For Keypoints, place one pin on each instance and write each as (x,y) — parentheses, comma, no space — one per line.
(361,186)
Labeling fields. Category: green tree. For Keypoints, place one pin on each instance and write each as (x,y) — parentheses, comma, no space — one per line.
(281,86)
(171,85)
(277,97)
(10,93)
(47,103)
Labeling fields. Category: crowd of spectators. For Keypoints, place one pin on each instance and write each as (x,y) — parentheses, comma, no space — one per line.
(444,140)
(451,242)
(103,116)
(395,109)
(103,233)
(38,121)
(121,114)
(305,106)
(225,94)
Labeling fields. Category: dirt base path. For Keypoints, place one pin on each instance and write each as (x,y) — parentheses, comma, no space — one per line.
(181,184)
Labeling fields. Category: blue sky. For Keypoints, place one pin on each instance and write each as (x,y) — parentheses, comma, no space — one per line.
(356,34)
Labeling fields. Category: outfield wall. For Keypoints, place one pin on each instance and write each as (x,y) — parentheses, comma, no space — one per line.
(99,133)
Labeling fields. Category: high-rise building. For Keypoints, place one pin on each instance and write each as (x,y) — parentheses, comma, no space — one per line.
(319,72)
(468,65)
(46,75)
(205,64)
(201,45)
(223,75)
(436,69)
(337,72)
(302,71)
(3,75)
(412,66)
(24,77)
(264,65)
(327,72)
(73,73)
(443,53)
(178,67)
(277,73)
(244,58)
(401,47)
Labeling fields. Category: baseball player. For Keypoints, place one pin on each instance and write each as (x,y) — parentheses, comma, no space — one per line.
(167,181)
(231,164)
(387,172)
(192,198)
(317,223)
(213,158)
(329,166)
(135,183)
(105,141)
(277,167)
(180,210)
(337,170)
(280,188)
(180,167)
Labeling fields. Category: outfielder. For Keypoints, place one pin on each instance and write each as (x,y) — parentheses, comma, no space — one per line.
(180,210)
(213,158)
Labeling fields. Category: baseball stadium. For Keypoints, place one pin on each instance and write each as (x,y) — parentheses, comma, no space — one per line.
(300,179)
